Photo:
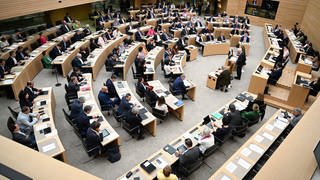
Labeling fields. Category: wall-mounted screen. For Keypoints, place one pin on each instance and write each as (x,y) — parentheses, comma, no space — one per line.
(262,8)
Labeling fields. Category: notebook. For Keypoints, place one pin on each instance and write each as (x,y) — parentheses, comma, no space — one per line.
(105,133)
(169,149)
(147,166)
(179,103)
(217,115)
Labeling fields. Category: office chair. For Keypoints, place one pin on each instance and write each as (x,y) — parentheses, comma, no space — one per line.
(253,121)
(240,131)
(186,171)
(13,112)
(130,130)
(210,151)
(160,114)
(67,117)
(140,93)
(91,152)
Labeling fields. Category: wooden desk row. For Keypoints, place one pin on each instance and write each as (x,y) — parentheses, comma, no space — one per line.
(153,59)
(87,92)
(270,39)
(150,123)
(295,47)
(242,161)
(162,158)
(49,143)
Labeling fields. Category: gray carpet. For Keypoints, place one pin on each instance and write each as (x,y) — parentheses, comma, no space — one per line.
(133,151)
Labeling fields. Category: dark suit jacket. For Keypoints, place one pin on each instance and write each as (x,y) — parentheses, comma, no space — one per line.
(75,109)
(242,39)
(67,19)
(184,32)
(73,88)
(108,36)
(83,123)
(23,139)
(20,56)
(31,93)
(241,60)
(234,31)
(10,63)
(93,140)
(104,99)
(204,31)
(77,37)
(124,106)
(209,38)
(221,133)
(3,70)
(221,38)
(64,28)
(54,53)
(235,119)
(193,31)
(164,37)
(274,76)
(180,45)
(178,85)
(141,88)
(150,46)
(64,45)
(189,157)
(76,62)
(133,120)
(137,36)
(111,88)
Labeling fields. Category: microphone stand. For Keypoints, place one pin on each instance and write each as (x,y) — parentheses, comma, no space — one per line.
(56,72)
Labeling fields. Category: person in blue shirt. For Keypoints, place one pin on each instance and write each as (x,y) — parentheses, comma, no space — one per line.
(125,105)
(178,85)
(104,98)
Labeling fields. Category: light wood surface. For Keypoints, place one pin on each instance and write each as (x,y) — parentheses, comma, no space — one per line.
(153,59)
(215,48)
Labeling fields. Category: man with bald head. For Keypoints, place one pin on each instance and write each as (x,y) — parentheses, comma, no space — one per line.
(104,98)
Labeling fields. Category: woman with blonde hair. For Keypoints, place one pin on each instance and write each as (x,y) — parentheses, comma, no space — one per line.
(166,174)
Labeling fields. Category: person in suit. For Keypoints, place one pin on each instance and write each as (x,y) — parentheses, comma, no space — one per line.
(184,31)
(21,137)
(77,73)
(24,100)
(65,44)
(240,62)
(161,21)
(192,30)
(125,105)
(139,35)
(122,20)
(142,85)
(31,90)
(56,51)
(199,39)
(19,54)
(130,18)
(221,38)
(77,61)
(4,70)
(297,115)
(128,28)
(94,138)
(76,107)
(205,30)
(210,37)
(198,24)
(245,38)
(157,38)
(101,20)
(4,43)
(86,30)
(17,36)
(111,89)
(67,18)
(181,43)
(93,44)
(26,119)
(314,87)
(224,79)
(233,116)
(77,36)
(73,85)
(134,120)
(190,156)
(64,27)
(221,131)
(178,85)
(275,74)
(12,61)
(234,31)
(83,120)
(164,35)
(151,44)
(104,98)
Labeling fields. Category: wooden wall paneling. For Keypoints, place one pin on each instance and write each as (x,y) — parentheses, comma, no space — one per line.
(15,8)
(311,22)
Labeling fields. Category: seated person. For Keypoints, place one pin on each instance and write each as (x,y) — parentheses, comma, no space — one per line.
(262,106)
(224,79)
(12,61)
(77,61)
(94,138)
(161,105)
(109,35)
(275,74)
(233,117)
(151,32)
(116,33)
(31,90)
(21,137)
(192,30)
(46,60)
(222,38)
(151,44)
(19,54)
(251,115)
(234,31)
(181,43)
(65,44)
(86,30)
(25,100)
(157,38)
(56,51)
(184,31)
(139,35)
(209,37)
(314,87)
(167,69)
(166,174)
(164,35)
(83,120)
(84,53)
(111,89)
(4,43)
(76,107)
(190,156)
(105,100)
(178,85)
(206,140)
(77,36)
(151,96)
(134,120)
(142,86)
(221,131)
(26,120)
(125,105)
(93,44)
(316,61)
(205,30)
(77,73)
(73,86)
(245,38)
(4,70)
(42,38)
(297,115)
(130,18)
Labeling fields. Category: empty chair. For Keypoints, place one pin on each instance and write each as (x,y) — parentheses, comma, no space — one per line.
(67,117)
(210,150)
(240,131)
(186,171)
(253,121)
(130,130)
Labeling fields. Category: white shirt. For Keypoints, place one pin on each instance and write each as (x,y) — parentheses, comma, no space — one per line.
(162,107)
(101,41)
(167,69)
(206,143)
(116,33)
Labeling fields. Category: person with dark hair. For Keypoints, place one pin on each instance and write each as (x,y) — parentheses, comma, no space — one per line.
(190,156)
(233,116)
(178,85)
(21,137)
(224,79)
(222,131)
(46,60)
(12,61)
(31,90)
(93,44)
(133,118)
(73,85)
(83,120)
(111,89)
(314,87)
(240,62)
(19,54)
(24,100)
(4,70)
(161,104)
(76,107)
(77,73)
(56,51)
(125,105)
(26,119)
(166,174)
(67,18)
(65,44)
(94,138)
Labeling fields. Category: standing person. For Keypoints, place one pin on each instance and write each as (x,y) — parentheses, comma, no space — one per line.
(240,62)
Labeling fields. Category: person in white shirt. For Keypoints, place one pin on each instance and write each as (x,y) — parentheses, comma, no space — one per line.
(167,69)
(116,33)
(101,41)
(172,6)
(206,140)
(161,105)
(23,119)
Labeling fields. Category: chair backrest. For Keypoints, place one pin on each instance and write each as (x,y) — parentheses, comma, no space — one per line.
(210,150)
(66,115)
(126,127)
(13,113)
(141,94)
(9,122)
(159,113)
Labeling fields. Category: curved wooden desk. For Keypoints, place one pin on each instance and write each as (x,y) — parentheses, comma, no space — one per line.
(153,59)
(150,122)
(113,137)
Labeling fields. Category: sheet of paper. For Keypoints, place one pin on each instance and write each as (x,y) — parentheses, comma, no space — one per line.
(280,124)
(269,127)
(40,127)
(224,177)
(162,163)
(282,119)
(244,163)
(258,138)
(49,147)
(256,149)
(268,136)
(231,167)
(246,152)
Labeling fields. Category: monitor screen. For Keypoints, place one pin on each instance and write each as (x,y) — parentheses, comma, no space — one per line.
(262,8)
(316,153)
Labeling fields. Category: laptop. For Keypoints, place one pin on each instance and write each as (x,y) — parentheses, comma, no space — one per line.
(104,133)
(182,148)
(206,120)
